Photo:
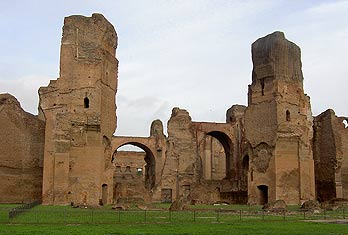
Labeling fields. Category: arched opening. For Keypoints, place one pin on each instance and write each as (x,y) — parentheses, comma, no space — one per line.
(134,175)
(288,118)
(263,194)
(245,171)
(213,159)
(219,160)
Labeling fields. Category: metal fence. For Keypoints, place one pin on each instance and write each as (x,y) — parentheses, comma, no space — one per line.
(103,216)
(24,207)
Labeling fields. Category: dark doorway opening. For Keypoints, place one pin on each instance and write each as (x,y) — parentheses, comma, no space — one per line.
(104,194)
(245,171)
(263,194)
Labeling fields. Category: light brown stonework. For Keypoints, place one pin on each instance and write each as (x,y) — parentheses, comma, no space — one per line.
(22,137)
(269,150)
(278,124)
(80,113)
(331,156)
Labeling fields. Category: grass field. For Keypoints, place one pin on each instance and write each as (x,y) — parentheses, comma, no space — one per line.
(203,219)
(244,227)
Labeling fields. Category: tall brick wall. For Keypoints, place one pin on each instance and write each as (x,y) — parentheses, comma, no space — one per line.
(21,153)
(80,112)
(330,156)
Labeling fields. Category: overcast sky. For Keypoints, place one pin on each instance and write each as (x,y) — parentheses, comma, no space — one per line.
(192,54)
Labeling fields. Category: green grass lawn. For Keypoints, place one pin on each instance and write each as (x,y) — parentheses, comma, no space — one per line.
(8,206)
(246,227)
(201,219)
(200,213)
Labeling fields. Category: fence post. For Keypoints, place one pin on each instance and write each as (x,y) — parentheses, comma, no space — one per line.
(119,216)
(218,216)
(64,216)
(344,216)
(194,216)
(92,216)
(240,214)
(263,214)
(144,215)
(304,215)
(324,213)
(284,215)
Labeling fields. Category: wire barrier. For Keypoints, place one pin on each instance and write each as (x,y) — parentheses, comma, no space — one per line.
(67,215)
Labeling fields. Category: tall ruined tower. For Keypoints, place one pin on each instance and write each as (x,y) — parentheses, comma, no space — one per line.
(80,113)
(278,124)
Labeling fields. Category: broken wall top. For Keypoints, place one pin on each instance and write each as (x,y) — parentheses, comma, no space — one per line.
(235,112)
(88,52)
(8,99)
(276,57)
(94,32)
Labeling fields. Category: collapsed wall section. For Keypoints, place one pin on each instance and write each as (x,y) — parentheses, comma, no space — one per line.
(21,153)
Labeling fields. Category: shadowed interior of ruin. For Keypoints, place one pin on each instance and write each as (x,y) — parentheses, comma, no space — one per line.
(226,142)
(134,172)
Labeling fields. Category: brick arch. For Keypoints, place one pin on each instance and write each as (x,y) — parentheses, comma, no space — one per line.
(146,149)
(148,144)
(223,132)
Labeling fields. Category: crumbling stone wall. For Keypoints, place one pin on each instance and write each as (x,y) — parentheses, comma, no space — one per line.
(181,165)
(21,153)
(278,124)
(199,156)
(235,116)
(80,113)
(191,156)
(330,156)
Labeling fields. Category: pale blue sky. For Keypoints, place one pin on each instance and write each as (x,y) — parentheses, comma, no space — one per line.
(193,54)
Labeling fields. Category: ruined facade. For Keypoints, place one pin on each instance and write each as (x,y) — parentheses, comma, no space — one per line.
(282,158)
(80,113)
(271,149)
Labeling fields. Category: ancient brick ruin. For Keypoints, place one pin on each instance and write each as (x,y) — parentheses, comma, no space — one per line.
(272,149)
(22,137)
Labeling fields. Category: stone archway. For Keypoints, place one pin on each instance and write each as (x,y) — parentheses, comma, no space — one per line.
(150,166)
(223,134)
(136,176)
(226,143)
